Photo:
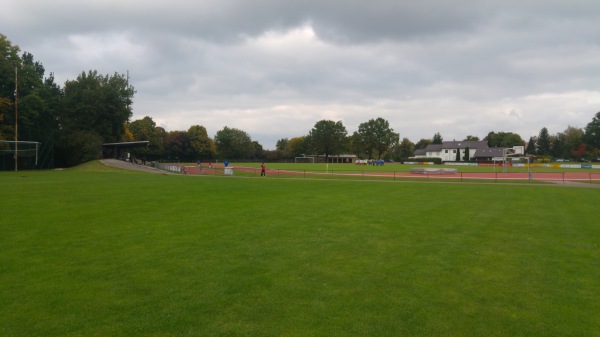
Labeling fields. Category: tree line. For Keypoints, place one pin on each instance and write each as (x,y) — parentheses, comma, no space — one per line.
(73,121)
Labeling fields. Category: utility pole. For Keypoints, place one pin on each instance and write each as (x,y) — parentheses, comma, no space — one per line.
(127,84)
(16,120)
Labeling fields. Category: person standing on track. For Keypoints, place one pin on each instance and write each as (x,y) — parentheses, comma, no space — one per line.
(263,170)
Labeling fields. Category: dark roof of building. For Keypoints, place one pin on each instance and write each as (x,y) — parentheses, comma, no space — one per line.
(490,152)
(141,143)
(433,147)
(471,144)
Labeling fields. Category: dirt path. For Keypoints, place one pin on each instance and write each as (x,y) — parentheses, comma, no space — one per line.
(129,166)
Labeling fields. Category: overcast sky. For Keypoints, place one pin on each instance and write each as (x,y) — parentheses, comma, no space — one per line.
(274,68)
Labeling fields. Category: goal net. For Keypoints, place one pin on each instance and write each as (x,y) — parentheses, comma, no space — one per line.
(25,152)
(310,160)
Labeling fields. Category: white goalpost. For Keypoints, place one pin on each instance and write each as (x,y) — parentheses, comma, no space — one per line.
(20,149)
(310,160)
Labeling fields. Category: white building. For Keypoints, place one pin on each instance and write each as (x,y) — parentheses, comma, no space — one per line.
(477,151)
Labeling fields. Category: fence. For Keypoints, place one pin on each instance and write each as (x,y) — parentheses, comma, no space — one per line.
(169,167)
(523,177)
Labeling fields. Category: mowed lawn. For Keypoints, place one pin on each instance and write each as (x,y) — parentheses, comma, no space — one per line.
(102,252)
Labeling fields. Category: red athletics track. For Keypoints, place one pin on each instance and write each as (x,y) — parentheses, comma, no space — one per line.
(217,169)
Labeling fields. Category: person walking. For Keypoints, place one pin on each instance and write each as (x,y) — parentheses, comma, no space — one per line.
(263,170)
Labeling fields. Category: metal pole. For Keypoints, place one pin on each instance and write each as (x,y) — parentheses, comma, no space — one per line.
(16,121)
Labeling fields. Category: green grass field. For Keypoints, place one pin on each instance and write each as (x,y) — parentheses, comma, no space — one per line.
(96,251)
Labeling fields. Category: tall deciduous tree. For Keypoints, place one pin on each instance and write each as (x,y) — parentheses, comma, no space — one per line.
(96,105)
(38,100)
(297,147)
(9,61)
(327,137)
(404,149)
(437,138)
(377,136)
(580,151)
(282,144)
(572,137)
(233,143)
(504,139)
(202,145)
(145,130)
(178,147)
(592,132)
(357,145)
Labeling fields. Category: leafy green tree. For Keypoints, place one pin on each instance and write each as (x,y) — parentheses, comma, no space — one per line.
(327,137)
(94,104)
(259,151)
(422,144)
(543,143)
(376,136)
(6,105)
(282,144)
(38,100)
(97,103)
(282,147)
(145,130)
(437,138)
(357,145)
(571,138)
(297,147)
(202,145)
(467,156)
(580,151)
(504,139)
(405,149)
(233,143)
(471,138)
(592,132)
(178,147)
(9,60)
(9,63)
(82,146)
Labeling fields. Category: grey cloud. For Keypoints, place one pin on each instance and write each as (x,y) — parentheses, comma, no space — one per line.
(459,67)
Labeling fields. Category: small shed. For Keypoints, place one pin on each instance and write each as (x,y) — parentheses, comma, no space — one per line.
(120,150)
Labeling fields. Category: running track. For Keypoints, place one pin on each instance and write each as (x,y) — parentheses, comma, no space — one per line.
(571,176)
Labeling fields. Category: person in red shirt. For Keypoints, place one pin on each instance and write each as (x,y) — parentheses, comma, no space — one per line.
(262,170)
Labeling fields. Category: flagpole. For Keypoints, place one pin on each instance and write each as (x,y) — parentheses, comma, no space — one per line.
(16,121)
